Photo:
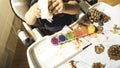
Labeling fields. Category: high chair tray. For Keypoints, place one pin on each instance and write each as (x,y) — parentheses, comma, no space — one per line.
(44,54)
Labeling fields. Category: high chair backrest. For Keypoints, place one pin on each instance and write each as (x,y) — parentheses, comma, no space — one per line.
(19,7)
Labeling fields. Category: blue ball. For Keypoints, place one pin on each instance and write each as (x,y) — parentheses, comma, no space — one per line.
(62,38)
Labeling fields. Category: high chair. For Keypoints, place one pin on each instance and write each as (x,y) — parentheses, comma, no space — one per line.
(19,8)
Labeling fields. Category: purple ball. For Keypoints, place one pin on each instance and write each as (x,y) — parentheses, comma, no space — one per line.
(54,41)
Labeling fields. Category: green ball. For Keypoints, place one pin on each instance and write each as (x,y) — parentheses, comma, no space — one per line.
(69,35)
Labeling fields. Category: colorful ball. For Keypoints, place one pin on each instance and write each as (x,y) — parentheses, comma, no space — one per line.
(54,41)
(77,33)
(62,38)
(91,28)
(84,30)
(69,35)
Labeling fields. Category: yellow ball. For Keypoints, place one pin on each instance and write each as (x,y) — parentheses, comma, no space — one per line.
(91,28)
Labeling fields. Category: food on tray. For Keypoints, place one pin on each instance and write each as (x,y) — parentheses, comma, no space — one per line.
(99,29)
(93,15)
(55,41)
(116,29)
(72,64)
(98,65)
(96,16)
(77,43)
(114,52)
(99,49)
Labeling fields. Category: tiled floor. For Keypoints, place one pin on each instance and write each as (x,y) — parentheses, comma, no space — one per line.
(20,59)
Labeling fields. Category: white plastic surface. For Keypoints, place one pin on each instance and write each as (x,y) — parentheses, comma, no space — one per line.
(101,6)
(49,56)
(85,58)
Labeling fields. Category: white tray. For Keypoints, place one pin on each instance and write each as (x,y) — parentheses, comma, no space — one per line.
(45,54)
(43,47)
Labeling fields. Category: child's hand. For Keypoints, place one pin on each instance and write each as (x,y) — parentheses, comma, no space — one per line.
(32,14)
(56,6)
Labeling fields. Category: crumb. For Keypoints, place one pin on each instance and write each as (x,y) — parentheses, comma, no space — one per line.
(99,49)
(98,65)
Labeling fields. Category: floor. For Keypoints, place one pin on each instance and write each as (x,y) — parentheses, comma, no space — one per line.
(20,58)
